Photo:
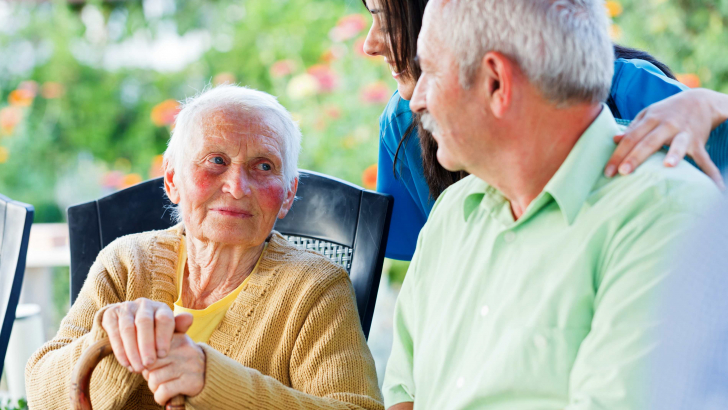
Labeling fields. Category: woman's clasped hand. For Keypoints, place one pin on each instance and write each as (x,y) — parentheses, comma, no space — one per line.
(147,338)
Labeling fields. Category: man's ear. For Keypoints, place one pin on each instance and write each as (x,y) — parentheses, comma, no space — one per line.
(497,80)
(290,197)
(169,185)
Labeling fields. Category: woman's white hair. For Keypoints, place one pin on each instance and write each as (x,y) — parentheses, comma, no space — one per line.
(261,106)
(562,46)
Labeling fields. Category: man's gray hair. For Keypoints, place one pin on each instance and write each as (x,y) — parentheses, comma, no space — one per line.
(259,105)
(562,46)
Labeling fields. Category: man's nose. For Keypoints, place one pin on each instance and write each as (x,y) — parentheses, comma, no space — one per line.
(418,103)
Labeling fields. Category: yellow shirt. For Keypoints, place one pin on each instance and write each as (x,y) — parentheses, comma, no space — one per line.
(205,320)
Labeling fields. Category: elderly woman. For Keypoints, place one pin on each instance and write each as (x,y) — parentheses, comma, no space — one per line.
(274,327)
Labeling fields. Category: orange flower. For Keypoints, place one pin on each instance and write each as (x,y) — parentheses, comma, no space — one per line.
(129,180)
(348,27)
(326,77)
(9,119)
(4,155)
(52,90)
(375,93)
(21,98)
(614,8)
(282,68)
(691,80)
(165,112)
(156,170)
(369,177)
(615,32)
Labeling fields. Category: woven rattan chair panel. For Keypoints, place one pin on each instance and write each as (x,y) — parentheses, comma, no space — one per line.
(339,254)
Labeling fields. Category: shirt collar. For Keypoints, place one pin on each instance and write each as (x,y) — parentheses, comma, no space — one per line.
(572,183)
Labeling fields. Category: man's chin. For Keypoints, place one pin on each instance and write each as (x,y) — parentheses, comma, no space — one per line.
(448,162)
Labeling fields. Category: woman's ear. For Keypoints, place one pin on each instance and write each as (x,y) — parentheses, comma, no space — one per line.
(497,80)
(288,202)
(169,184)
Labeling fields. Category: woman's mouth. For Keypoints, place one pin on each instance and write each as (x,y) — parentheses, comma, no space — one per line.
(234,212)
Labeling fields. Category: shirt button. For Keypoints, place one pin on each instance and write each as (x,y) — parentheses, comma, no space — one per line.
(510,236)
(540,341)
(484,311)
(460,383)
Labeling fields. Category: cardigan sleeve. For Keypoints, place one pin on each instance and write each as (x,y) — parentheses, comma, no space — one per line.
(331,366)
(48,372)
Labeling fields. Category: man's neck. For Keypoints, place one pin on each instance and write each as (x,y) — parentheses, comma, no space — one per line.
(534,148)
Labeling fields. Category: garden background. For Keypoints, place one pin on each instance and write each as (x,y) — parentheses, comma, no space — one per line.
(89,90)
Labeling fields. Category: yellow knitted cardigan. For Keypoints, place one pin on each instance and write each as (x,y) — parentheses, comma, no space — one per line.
(291,340)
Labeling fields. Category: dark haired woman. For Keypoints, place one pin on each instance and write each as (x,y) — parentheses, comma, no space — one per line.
(643,90)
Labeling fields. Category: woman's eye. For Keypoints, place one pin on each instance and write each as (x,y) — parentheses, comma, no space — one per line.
(265,167)
(217,160)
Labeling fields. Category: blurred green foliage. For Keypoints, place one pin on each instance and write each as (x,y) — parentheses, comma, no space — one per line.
(79,84)
(690,36)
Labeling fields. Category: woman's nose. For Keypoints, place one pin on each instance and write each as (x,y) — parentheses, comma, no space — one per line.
(373,42)
(237,184)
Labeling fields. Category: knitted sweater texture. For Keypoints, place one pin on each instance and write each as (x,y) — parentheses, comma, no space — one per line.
(291,339)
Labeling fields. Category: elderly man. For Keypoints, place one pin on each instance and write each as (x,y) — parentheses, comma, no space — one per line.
(534,281)
(274,327)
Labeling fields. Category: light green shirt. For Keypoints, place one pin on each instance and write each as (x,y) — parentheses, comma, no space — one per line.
(553,311)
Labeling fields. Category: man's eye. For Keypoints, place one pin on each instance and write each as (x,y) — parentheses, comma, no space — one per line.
(265,167)
(217,160)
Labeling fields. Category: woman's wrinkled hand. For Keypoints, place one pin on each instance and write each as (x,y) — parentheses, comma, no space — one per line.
(683,121)
(141,332)
(182,371)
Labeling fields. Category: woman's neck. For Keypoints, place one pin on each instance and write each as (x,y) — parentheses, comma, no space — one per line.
(213,271)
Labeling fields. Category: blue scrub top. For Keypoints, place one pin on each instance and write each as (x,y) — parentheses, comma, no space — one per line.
(636,84)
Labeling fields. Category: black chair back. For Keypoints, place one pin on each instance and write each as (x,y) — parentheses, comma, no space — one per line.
(346,223)
(15,221)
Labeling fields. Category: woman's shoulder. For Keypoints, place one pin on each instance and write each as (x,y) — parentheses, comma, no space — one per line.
(129,251)
(395,120)
(304,265)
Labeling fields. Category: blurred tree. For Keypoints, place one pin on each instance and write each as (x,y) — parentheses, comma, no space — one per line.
(88,90)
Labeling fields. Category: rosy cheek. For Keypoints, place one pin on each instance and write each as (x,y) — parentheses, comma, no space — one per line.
(271,196)
(202,182)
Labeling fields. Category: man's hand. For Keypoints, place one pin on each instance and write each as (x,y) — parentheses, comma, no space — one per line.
(683,121)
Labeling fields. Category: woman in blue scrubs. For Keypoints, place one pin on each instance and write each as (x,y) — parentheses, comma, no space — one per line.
(408,168)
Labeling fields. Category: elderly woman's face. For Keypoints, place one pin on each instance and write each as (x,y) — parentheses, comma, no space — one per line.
(231,186)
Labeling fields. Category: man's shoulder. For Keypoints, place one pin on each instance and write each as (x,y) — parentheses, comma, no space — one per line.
(678,189)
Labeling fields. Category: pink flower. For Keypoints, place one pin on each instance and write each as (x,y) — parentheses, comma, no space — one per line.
(282,68)
(326,77)
(348,27)
(375,93)
(112,179)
